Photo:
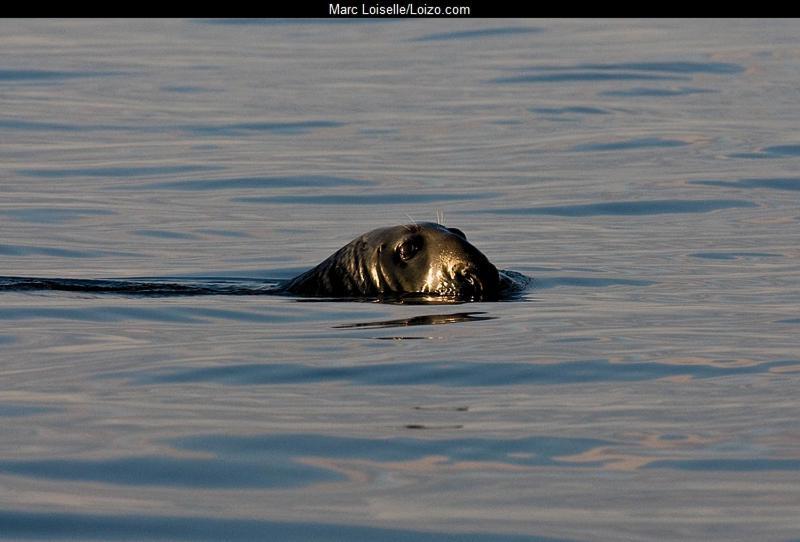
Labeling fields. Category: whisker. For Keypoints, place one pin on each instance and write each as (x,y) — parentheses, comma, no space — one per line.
(440,217)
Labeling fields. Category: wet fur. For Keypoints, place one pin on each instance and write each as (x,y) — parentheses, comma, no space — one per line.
(449,267)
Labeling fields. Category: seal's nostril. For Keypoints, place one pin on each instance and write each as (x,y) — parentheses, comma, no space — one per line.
(470,281)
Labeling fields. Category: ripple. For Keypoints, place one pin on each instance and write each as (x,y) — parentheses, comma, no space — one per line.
(98,314)
(22,250)
(365,199)
(733,255)
(774,151)
(164,234)
(656,92)
(274,460)
(479,33)
(780,183)
(224,233)
(36,126)
(124,171)
(585,76)
(236,183)
(636,143)
(783,150)
(575,109)
(27,525)
(677,66)
(628,208)
(49,126)
(735,465)
(157,313)
(446,374)
(287,128)
(588,282)
(29,75)
(214,473)
(751,155)
(12,410)
(184,89)
(530,450)
(672,66)
(623,71)
(53,215)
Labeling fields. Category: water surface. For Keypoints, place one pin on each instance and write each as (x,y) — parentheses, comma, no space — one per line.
(643,172)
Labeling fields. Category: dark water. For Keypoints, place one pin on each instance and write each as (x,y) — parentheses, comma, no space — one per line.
(644,172)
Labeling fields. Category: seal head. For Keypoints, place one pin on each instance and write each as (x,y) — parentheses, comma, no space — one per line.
(419,260)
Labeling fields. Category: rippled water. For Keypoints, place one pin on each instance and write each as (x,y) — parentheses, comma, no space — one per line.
(644,173)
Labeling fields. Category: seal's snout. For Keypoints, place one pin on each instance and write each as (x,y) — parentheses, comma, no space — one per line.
(475,281)
(470,282)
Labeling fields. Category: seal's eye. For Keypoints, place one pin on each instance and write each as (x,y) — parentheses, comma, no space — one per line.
(409,248)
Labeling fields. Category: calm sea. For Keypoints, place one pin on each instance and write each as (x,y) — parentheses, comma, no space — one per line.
(645,173)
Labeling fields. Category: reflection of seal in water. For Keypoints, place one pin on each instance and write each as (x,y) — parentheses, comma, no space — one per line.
(423,259)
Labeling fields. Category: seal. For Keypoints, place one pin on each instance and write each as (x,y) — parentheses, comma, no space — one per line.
(423,260)
(419,263)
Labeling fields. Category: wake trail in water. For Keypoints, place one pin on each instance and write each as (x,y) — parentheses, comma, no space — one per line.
(145,286)
(516,284)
